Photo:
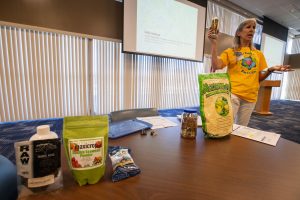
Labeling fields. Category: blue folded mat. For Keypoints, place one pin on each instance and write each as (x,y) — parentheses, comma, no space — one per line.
(11,132)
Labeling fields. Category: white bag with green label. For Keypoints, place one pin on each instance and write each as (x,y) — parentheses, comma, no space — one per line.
(215,104)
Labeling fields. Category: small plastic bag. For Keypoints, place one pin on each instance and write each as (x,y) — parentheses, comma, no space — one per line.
(86,142)
(122,162)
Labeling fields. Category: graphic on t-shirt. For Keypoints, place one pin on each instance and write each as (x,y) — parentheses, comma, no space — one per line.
(248,63)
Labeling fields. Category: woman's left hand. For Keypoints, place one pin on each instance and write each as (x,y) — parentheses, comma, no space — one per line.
(281,68)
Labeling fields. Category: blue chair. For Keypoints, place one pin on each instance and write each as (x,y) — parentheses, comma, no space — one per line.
(8,179)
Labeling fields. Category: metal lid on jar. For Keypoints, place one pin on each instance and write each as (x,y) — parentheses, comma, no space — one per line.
(190,111)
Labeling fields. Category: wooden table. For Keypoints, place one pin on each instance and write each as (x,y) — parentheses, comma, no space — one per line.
(232,168)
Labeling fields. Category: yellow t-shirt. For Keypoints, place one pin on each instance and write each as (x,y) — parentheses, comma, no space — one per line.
(244,66)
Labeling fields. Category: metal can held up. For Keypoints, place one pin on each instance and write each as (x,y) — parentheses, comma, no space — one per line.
(189,124)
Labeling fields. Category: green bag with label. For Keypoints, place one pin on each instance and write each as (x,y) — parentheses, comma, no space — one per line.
(86,142)
(215,104)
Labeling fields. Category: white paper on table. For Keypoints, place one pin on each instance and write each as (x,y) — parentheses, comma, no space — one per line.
(157,122)
(199,121)
(235,126)
(255,134)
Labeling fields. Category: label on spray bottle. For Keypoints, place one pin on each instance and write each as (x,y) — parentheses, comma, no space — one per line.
(38,161)
(24,159)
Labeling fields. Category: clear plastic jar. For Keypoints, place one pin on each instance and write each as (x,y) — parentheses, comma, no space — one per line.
(189,124)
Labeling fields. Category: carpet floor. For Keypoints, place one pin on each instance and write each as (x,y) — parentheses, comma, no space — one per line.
(285,120)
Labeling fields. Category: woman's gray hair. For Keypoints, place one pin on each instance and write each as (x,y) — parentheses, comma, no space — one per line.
(236,40)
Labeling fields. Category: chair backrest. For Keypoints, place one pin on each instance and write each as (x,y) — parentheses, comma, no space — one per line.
(132,114)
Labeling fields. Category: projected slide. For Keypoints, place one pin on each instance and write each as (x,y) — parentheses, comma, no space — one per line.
(161,28)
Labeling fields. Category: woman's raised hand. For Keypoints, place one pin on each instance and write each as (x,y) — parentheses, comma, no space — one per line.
(281,68)
(212,36)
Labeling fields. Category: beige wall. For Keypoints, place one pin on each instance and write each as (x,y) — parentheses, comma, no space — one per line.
(93,17)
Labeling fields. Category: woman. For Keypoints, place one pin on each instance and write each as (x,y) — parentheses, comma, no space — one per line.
(245,68)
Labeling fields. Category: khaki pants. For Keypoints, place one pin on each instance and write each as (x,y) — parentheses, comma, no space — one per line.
(242,110)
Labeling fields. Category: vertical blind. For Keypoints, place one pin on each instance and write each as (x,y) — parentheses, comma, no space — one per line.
(45,75)
(136,81)
(108,77)
(291,86)
(42,74)
(161,82)
(295,46)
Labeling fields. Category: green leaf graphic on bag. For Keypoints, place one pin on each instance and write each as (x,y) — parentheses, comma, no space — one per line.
(215,104)
(85,143)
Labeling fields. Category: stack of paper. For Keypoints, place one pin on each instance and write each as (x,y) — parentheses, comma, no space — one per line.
(157,122)
(257,135)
